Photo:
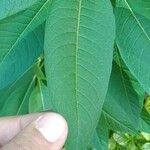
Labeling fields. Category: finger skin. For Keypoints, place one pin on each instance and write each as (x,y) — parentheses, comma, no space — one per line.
(11,126)
(28,137)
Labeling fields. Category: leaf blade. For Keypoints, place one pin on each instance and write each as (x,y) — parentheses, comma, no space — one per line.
(16,95)
(15,63)
(126,101)
(134,51)
(72,58)
(8,8)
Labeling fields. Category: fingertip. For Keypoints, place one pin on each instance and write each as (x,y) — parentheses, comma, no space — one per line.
(47,131)
(52,126)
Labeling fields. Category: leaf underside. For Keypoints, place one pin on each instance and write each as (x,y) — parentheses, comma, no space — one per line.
(133,40)
(78,56)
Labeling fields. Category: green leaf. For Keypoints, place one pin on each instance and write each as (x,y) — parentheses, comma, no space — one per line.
(146,136)
(144,126)
(22,57)
(39,71)
(96,142)
(120,138)
(145,116)
(14,99)
(141,7)
(146,146)
(113,2)
(78,56)
(100,138)
(133,40)
(10,7)
(13,40)
(39,99)
(122,107)
(135,84)
(24,105)
(147,103)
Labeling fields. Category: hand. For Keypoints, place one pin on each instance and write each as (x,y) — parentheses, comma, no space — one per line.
(45,131)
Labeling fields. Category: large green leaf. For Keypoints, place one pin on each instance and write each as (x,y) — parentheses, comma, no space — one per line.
(133,40)
(78,56)
(14,99)
(10,7)
(25,53)
(122,107)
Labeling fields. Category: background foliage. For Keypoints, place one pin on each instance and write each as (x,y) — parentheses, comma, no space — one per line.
(89,60)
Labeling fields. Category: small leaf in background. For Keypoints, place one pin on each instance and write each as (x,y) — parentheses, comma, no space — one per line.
(39,99)
(147,103)
(146,146)
(121,139)
(145,116)
(112,144)
(39,70)
(144,126)
(146,136)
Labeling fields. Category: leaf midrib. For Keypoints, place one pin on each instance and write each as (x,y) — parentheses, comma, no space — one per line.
(76,69)
(22,33)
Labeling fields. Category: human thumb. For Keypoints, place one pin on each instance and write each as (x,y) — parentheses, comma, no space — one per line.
(48,132)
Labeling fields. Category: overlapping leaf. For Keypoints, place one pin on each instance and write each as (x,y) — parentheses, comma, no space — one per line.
(143,126)
(101,138)
(145,116)
(133,39)
(123,104)
(14,99)
(78,55)
(141,6)
(10,7)
(13,30)
(18,60)
(39,100)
